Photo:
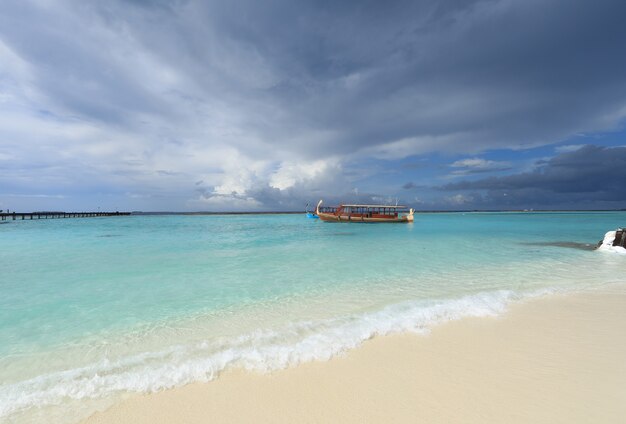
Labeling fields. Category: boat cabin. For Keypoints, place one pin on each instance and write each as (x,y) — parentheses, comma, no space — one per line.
(373,211)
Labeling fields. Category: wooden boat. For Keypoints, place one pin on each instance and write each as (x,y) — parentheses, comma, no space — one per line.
(365,213)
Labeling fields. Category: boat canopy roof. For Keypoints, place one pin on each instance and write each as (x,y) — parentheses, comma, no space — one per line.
(376,206)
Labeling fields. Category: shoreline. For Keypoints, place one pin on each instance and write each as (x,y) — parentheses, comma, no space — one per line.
(557,358)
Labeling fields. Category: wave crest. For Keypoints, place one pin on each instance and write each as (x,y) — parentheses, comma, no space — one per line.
(262,351)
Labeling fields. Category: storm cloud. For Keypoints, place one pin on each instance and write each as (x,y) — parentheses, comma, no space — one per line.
(591,174)
(272,104)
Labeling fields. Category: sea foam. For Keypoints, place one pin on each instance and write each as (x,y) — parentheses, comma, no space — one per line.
(261,351)
(607,244)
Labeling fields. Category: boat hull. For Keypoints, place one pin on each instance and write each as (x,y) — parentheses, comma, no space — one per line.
(328,217)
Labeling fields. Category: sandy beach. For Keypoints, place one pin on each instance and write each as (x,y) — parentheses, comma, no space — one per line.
(556,359)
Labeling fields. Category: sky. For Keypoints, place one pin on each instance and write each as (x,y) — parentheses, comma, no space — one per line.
(190,105)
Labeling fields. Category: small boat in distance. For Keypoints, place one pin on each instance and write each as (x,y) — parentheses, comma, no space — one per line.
(310,214)
(364,213)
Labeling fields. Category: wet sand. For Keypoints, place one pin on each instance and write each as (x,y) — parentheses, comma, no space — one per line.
(557,359)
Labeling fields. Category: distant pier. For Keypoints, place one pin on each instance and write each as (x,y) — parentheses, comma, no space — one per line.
(56,215)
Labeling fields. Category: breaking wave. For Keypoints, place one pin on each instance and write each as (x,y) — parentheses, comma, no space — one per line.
(262,350)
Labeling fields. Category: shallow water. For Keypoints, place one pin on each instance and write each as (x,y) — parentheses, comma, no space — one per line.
(92,309)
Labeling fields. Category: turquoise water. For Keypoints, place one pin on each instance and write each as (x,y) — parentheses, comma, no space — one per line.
(95,308)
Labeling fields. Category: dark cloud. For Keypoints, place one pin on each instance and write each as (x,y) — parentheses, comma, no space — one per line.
(464,76)
(200,90)
(590,174)
(413,186)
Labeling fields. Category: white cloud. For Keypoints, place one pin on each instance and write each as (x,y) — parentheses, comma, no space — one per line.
(458,199)
(477,165)
(291,173)
(568,148)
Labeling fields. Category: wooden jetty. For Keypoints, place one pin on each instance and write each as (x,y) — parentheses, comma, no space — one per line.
(56,215)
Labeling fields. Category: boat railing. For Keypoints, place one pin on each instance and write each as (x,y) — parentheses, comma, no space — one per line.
(365,212)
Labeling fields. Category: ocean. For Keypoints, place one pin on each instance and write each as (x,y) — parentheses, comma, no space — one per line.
(93,310)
